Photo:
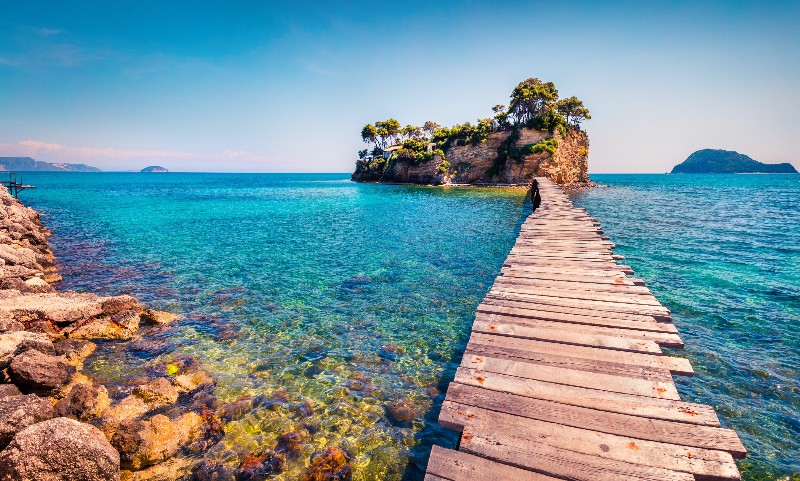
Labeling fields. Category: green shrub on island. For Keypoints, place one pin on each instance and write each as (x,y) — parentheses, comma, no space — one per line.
(533,105)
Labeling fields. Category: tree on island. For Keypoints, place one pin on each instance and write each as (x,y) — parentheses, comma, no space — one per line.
(534,104)
(573,111)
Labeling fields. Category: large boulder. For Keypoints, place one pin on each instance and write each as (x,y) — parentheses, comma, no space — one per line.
(59,449)
(143,443)
(84,402)
(19,412)
(39,372)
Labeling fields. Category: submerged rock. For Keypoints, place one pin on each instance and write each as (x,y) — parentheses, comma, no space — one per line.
(59,449)
(290,444)
(210,470)
(36,371)
(170,470)
(152,316)
(401,412)
(260,467)
(332,464)
(84,402)
(19,412)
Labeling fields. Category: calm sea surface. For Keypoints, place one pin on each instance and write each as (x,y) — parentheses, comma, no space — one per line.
(334,300)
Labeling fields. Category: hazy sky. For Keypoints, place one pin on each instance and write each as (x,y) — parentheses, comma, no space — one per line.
(261,86)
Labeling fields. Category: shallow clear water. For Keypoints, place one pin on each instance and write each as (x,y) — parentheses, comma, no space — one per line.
(345,297)
(723,253)
(310,289)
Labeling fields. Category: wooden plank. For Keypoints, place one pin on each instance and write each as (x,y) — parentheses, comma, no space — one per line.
(564,336)
(582,303)
(623,296)
(608,321)
(562,463)
(532,304)
(458,466)
(521,273)
(540,329)
(670,432)
(676,365)
(609,287)
(507,429)
(570,362)
(572,377)
(631,404)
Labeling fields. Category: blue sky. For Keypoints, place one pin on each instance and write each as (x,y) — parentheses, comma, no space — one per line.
(274,87)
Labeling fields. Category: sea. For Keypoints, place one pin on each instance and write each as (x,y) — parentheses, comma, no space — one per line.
(344,308)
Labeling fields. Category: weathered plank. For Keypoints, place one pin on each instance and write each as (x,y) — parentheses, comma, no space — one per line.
(460,466)
(623,424)
(572,377)
(676,365)
(540,329)
(507,429)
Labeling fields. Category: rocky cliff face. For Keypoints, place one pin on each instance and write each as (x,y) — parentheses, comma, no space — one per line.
(483,163)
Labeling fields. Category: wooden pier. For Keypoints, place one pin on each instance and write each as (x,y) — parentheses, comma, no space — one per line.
(13,185)
(564,376)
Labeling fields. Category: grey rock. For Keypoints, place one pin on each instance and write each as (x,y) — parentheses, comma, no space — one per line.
(59,449)
(39,372)
(19,412)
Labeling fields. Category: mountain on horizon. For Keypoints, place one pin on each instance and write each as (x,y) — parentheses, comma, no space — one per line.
(22,164)
(718,161)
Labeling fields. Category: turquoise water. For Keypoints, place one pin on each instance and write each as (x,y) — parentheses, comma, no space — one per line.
(331,299)
(723,253)
(336,299)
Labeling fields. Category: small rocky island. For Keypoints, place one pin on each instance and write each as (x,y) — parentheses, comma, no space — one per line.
(717,161)
(154,168)
(24,164)
(537,135)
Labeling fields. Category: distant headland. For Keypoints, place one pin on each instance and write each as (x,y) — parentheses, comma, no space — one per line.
(22,164)
(537,135)
(154,168)
(716,161)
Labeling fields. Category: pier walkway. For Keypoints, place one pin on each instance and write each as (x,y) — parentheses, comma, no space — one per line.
(564,376)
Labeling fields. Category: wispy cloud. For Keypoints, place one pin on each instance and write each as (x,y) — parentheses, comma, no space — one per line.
(112,158)
(32,148)
(44,31)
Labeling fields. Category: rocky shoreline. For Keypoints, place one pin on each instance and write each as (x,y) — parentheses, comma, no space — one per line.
(58,424)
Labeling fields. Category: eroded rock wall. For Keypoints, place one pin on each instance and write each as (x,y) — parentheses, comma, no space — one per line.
(479,163)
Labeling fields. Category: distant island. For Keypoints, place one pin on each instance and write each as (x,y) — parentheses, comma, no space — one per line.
(537,135)
(154,168)
(716,161)
(21,164)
